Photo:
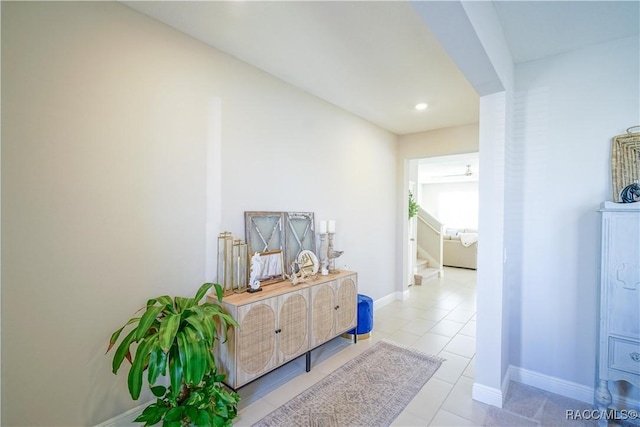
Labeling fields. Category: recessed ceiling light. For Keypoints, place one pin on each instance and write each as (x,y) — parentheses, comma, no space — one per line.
(421,106)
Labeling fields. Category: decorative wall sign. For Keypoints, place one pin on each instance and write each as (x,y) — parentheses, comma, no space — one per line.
(291,232)
(299,235)
(264,231)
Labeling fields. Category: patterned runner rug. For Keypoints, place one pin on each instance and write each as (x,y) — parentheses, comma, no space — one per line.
(370,390)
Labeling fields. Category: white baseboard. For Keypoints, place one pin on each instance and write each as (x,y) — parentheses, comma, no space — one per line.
(402,295)
(489,395)
(555,385)
(565,388)
(381,302)
(126,418)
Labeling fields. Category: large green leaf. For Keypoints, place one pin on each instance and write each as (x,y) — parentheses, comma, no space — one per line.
(183,303)
(219,291)
(157,361)
(122,351)
(164,300)
(193,355)
(175,371)
(202,291)
(168,328)
(159,390)
(152,414)
(116,334)
(174,414)
(139,362)
(200,326)
(147,320)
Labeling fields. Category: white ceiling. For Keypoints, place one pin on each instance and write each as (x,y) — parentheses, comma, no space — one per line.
(449,168)
(378,59)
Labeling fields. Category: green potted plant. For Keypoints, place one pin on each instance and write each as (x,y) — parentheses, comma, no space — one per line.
(177,335)
(413,206)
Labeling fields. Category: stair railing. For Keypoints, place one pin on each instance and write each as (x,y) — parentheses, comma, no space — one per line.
(430,231)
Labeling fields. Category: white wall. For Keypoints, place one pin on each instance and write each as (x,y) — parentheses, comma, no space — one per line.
(108,119)
(568,108)
(454,203)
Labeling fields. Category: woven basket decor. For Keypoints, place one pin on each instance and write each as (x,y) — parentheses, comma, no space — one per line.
(255,351)
(347,297)
(293,322)
(323,313)
(625,160)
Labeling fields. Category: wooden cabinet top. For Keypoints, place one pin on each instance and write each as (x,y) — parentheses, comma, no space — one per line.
(277,289)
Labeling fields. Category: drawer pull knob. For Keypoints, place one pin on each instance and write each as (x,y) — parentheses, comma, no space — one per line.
(635,356)
(336,307)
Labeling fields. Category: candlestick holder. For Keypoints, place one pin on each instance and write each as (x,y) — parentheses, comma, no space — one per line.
(332,254)
(324,260)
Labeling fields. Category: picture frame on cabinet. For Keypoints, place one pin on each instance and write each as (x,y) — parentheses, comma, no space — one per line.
(271,268)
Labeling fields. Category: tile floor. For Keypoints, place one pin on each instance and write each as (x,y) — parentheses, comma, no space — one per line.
(438,318)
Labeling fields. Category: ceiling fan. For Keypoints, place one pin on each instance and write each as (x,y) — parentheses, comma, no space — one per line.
(468,172)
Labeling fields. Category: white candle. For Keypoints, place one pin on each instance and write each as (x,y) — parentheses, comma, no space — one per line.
(332,226)
(323,226)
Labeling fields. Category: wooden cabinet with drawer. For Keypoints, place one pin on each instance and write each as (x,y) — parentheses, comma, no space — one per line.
(619,325)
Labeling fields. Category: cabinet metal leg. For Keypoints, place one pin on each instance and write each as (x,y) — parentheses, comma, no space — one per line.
(308,359)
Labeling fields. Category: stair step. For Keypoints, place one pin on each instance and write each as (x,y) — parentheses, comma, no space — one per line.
(428,274)
(421,263)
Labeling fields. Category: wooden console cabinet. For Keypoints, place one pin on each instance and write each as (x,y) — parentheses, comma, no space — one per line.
(283,322)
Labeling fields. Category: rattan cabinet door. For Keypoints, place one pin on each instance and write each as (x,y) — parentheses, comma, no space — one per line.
(322,313)
(346,304)
(256,346)
(293,325)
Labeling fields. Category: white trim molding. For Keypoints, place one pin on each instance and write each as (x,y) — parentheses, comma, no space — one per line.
(565,388)
(126,418)
(490,395)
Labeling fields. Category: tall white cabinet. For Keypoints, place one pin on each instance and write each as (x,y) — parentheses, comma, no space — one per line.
(619,326)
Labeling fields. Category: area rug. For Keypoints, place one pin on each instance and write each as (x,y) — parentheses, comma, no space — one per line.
(370,390)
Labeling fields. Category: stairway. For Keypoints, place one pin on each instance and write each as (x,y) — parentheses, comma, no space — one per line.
(423,269)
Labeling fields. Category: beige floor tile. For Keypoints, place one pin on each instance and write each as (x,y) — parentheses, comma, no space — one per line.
(407,419)
(435,314)
(431,343)
(446,418)
(469,329)
(253,413)
(461,403)
(419,326)
(470,372)
(452,368)
(460,315)
(408,313)
(428,400)
(462,345)
(388,325)
(294,387)
(446,327)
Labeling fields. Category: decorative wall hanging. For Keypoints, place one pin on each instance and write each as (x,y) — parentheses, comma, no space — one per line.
(290,232)
(625,163)
(300,235)
(264,231)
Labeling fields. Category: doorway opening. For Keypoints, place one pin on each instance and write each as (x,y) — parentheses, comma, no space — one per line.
(444,233)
